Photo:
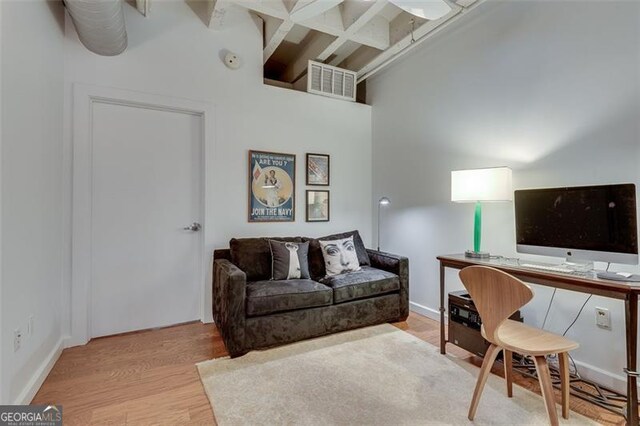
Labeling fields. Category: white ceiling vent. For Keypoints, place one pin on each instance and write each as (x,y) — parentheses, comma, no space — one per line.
(331,81)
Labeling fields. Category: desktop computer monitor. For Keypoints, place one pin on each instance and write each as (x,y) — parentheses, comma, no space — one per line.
(590,223)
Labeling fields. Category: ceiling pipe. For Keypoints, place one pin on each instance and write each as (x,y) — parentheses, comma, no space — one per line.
(426,9)
(454,17)
(100,25)
(143,7)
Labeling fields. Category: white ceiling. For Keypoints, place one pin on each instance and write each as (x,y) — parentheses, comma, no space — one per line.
(355,34)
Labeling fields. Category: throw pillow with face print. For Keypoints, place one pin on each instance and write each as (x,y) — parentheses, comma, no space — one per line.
(340,256)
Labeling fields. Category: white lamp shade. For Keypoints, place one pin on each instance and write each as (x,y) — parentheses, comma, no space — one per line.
(492,184)
(426,9)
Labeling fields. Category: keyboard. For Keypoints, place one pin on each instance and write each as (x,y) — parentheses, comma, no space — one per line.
(549,268)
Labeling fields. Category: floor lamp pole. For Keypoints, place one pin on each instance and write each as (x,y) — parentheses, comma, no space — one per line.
(384,201)
(378,240)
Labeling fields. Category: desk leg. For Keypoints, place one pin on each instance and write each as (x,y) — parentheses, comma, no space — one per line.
(443,339)
(631,322)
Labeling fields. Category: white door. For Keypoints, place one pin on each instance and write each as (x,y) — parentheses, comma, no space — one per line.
(145,267)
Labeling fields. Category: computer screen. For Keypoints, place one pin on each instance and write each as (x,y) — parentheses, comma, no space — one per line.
(589,222)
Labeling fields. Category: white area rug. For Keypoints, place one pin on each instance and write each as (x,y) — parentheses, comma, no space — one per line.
(375,376)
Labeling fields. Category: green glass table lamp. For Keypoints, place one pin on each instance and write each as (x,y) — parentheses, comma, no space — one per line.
(476,186)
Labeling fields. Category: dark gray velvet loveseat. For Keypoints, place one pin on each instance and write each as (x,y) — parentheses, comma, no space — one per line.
(251,311)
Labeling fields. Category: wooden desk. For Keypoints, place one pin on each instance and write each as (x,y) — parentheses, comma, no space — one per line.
(616,290)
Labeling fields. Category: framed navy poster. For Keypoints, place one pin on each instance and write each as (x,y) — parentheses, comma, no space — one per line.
(272,187)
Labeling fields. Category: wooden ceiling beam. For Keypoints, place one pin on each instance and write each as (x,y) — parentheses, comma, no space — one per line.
(275,30)
(343,26)
(374,33)
(298,67)
(329,22)
(277,9)
(343,53)
(345,23)
(354,19)
(291,4)
(304,9)
(352,10)
(217,9)
(358,59)
(419,33)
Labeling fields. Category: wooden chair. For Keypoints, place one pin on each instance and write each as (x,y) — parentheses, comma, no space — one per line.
(497,295)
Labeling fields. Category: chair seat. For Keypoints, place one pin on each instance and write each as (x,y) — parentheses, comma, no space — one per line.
(526,340)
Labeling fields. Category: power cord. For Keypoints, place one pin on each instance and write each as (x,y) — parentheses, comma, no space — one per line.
(578,315)
(546,315)
(575,367)
(553,358)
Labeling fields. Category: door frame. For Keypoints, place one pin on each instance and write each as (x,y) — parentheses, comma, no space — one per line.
(84,97)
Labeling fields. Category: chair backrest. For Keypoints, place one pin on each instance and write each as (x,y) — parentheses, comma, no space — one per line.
(496,295)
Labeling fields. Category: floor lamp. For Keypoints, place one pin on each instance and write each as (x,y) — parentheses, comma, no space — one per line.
(476,186)
(384,201)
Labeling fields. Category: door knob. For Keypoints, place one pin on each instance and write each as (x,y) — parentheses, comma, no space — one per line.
(195,227)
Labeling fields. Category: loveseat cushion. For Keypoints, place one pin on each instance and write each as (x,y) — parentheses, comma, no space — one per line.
(361,284)
(268,297)
(253,255)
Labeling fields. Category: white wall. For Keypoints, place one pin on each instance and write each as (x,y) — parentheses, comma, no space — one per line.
(551,89)
(173,53)
(31,179)
(2,332)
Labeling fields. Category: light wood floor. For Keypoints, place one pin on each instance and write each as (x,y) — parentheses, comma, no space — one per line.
(150,377)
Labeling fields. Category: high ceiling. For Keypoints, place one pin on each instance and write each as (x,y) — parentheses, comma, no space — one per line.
(358,35)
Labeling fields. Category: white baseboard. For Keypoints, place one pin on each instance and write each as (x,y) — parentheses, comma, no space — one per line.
(605,378)
(426,311)
(70,342)
(32,387)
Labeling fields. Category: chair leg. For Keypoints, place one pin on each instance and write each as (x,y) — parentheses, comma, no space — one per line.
(508,371)
(489,359)
(547,388)
(565,382)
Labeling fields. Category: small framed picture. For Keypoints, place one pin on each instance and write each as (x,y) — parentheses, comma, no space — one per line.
(317,206)
(318,169)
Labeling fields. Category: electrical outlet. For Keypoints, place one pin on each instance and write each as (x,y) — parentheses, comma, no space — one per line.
(17,339)
(603,318)
(30,326)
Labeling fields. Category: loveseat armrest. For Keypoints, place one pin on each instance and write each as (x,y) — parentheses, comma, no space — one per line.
(229,294)
(398,265)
